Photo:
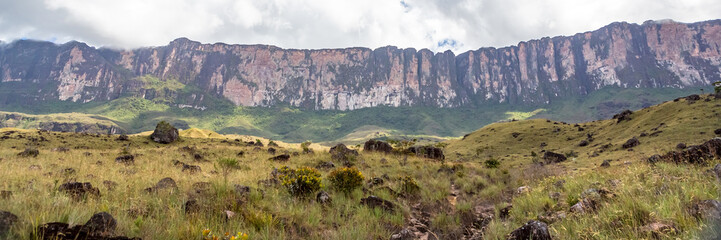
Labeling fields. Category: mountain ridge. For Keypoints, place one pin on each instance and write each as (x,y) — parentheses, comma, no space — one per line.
(532,72)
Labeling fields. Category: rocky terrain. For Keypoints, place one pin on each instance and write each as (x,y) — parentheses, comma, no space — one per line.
(187,74)
(646,174)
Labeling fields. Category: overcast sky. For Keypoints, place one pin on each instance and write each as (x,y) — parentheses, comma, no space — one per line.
(458,25)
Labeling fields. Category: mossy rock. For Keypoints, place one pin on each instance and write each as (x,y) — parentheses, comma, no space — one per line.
(164,133)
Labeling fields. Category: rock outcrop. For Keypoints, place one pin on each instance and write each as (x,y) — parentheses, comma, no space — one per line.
(652,54)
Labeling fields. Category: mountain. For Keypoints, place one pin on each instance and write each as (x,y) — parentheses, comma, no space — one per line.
(186,74)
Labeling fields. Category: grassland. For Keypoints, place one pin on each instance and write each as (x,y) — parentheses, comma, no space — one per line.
(450,196)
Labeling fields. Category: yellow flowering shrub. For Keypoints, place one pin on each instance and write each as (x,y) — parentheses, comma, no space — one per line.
(208,235)
(300,182)
(346,179)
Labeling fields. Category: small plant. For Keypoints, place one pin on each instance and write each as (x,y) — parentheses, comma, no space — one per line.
(492,163)
(717,87)
(409,185)
(226,166)
(306,147)
(208,235)
(346,179)
(300,182)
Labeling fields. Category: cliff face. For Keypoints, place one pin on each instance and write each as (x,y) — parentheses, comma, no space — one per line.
(655,54)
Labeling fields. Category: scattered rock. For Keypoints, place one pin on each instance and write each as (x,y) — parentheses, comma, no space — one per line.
(623,116)
(191,206)
(241,190)
(404,234)
(681,146)
(122,137)
(61,149)
(29,152)
(523,190)
(706,210)
(7,220)
(583,143)
(376,202)
(697,154)
(271,151)
(585,205)
(35,167)
(717,131)
(606,163)
(78,190)
(543,144)
(532,230)
(165,184)
(198,157)
(323,198)
(164,133)
(551,157)
(515,134)
(241,153)
(191,168)
(505,212)
(228,215)
(377,146)
(375,182)
(658,230)
(280,158)
(428,152)
(341,153)
(68,171)
(101,224)
(125,159)
(559,183)
(693,97)
(631,143)
(325,165)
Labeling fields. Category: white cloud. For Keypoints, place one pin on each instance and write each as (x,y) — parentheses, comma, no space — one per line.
(470,24)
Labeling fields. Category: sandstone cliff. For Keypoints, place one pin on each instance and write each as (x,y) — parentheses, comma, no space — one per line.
(654,54)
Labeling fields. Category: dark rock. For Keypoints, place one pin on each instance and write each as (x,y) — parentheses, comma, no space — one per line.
(165,184)
(280,158)
(377,146)
(68,171)
(78,190)
(191,168)
(706,210)
(404,234)
(341,153)
(543,144)
(198,157)
(241,153)
(62,231)
(697,154)
(693,97)
(681,146)
(125,159)
(551,157)
(7,220)
(101,224)
(323,198)
(428,152)
(375,182)
(325,165)
(122,137)
(241,190)
(376,202)
(29,152)
(505,212)
(654,159)
(164,133)
(606,163)
(271,150)
(515,134)
(585,205)
(631,143)
(717,131)
(532,230)
(583,143)
(623,116)
(191,206)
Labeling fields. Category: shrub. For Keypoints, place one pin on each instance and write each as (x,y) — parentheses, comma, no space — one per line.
(492,163)
(346,179)
(306,146)
(409,185)
(300,182)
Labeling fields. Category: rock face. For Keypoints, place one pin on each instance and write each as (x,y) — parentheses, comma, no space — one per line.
(652,54)
(164,133)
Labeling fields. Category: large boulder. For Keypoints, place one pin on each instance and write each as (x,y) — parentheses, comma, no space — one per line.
(7,220)
(697,154)
(623,116)
(164,133)
(165,184)
(428,152)
(377,146)
(341,153)
(631,143)
(552,157)
(101,224)
(532,230)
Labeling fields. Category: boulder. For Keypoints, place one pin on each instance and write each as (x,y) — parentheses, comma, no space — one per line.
(164,133)
(7,220)
(623,116)
(428,152)
(191,206)
(101,224)
(78,190)
(552,157)
(29,152)
(583,143)
(323,198)
(681,146)
(377,146)
(717,131)
(341,153)
(191,168)
(693,97)
(165,184)
(376,202)
(280,158)
(532,230)
(697,154)
(271,150)
(606,163)
(122,137)
(125,159)
(631,143)
(325,165)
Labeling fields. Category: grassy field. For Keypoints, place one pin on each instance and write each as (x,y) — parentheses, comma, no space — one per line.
(449,197)
(290,124)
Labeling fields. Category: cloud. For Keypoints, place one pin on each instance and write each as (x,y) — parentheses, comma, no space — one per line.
(458,25)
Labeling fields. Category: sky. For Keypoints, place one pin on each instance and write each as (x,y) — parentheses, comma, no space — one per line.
(439,25)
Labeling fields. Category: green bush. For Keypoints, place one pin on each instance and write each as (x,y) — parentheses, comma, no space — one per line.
(346,179)
(492,163)
(300,182)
